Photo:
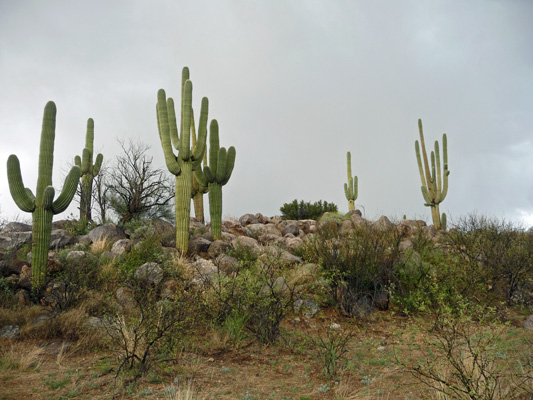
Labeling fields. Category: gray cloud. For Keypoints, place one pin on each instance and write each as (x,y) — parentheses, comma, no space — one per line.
(294,86)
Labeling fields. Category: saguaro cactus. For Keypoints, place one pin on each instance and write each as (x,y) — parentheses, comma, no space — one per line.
(434,180)
(350,188)
(88,172)
(42,205)
(216,175)
(187,160)
(198,190)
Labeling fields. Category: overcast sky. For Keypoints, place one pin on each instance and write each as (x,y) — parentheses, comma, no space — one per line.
(294,85)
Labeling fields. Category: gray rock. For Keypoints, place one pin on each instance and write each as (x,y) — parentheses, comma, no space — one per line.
(290,227)
(150,273)
(248,219)
(293,243)
(382,224)
(14,240)
(121,247)
(405,245)
(125,298)
(226,264)
(60,239)
(81,259)
(358,221)
(25,278)
(199,245)
(232,226)
(306,307)
(17,227)
(22,297)
(218,247)
(247,243)
(83,240)
(109,232)
(528,323)
(9,332)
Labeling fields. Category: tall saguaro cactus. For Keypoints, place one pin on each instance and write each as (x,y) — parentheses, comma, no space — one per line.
(434,180)
(216,175)
(350,188)
(42,205)
(188,159)
(88,172)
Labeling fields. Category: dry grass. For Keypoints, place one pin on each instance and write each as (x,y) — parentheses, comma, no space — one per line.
(22,357)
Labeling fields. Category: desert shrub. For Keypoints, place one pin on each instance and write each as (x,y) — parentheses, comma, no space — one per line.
(143,324)
(497,257)
(305,210)
(255,296)
(7,290)
(68,286)
(471,355)
(148,250)
(428,277)
(359,265)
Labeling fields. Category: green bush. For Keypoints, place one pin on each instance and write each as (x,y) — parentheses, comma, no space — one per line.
(496,256)
(359,265)
(305,210)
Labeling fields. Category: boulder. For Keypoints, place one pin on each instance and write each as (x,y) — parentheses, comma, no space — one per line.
(25,278)
(528,323)
(150,273)
(9,332)
(81,259)
(109,232)
(10,241)
(247,243)
(248,219)
(199,245)
(218,247)
(226,264)
(121,247)
(60,239)
(382,224)
(232,226)
(306,307)
(17,227)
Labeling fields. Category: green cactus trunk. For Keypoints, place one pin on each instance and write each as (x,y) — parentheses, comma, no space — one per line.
(85,198)
(42,205)
(198,201)
(41,233)
(215,209)
(183,207)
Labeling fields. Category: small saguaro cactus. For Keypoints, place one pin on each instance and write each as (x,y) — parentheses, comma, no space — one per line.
(188,159)
(216,175)
(42,205)
(350,188)
(434,180)
(88,172)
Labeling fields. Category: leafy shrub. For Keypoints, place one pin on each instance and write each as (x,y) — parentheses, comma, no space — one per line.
(467,356)
(359,265)
(305,210)
(255,296)
(144,324)
(496,256)
(148,250)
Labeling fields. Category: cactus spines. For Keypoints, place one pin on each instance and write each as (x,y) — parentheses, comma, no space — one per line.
(350,188)
(42,205)
(88,171)
(435,180)
(187,160)
(216,175)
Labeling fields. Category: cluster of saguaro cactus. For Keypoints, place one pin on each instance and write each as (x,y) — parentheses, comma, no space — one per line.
(350,188)
(435,179)
(42,204)
(188,159)
(88,172)
(216,175)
